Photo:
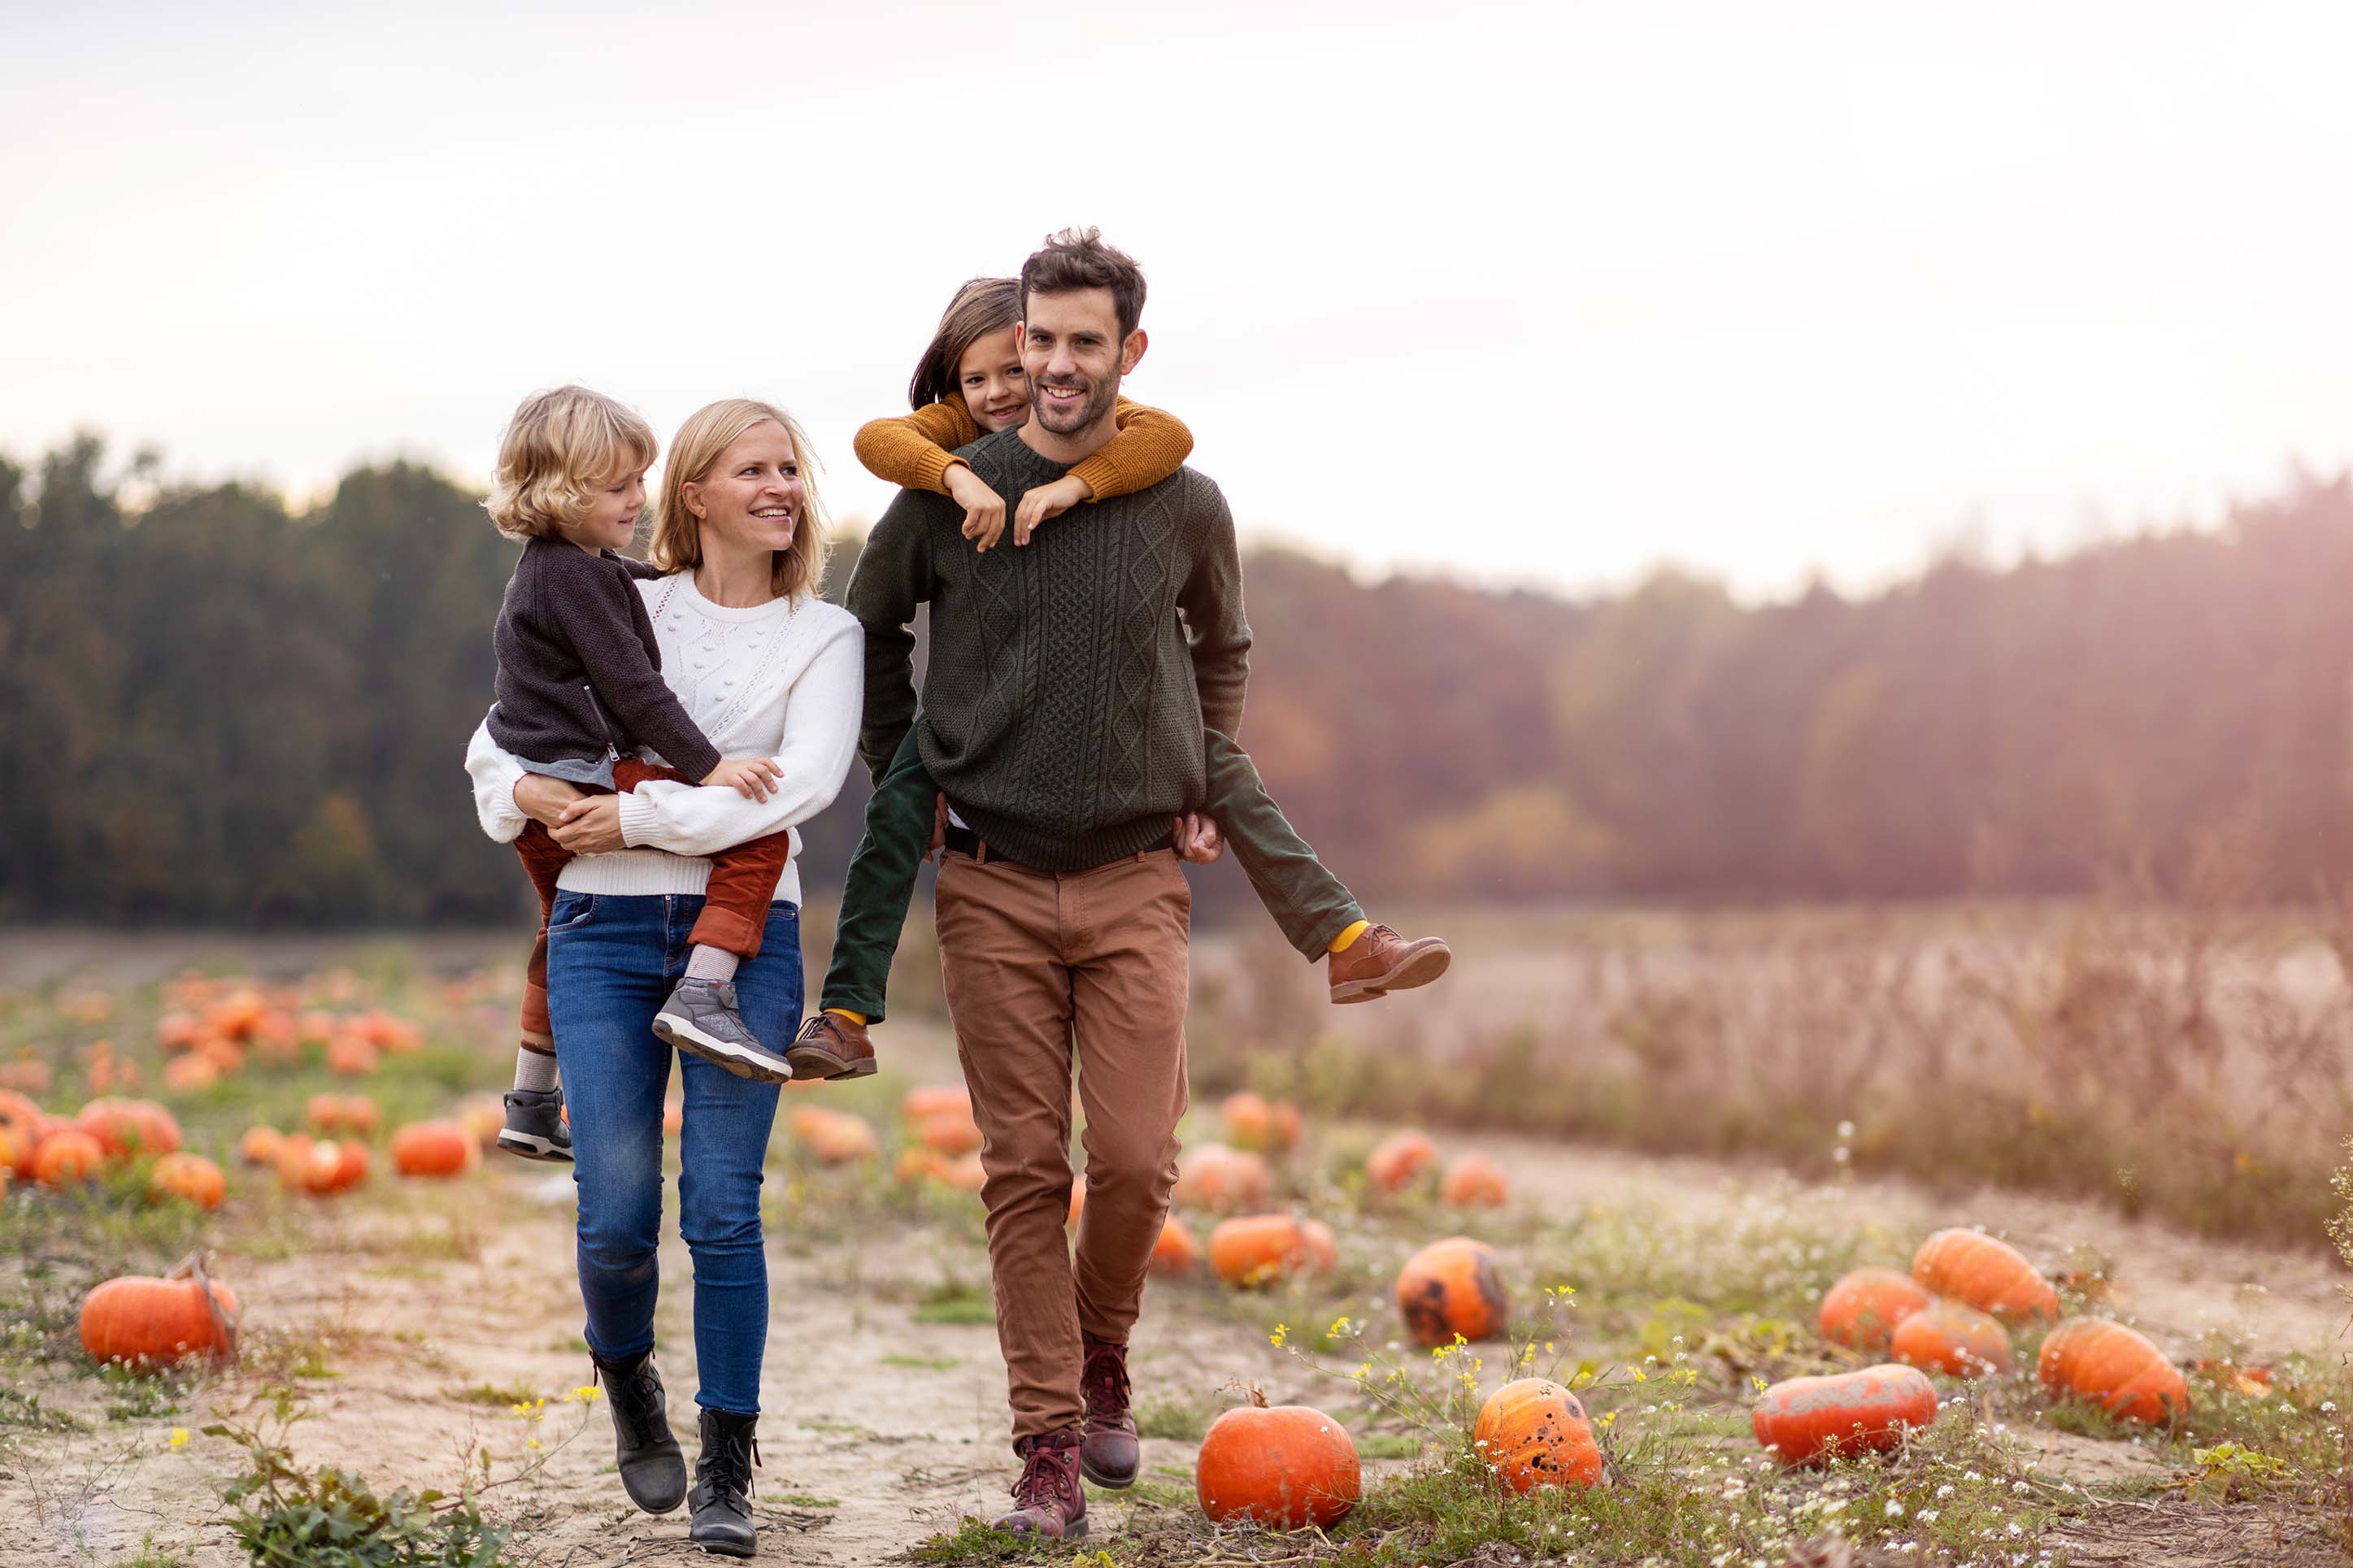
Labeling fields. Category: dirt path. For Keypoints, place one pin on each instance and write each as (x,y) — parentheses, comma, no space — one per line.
(879,1429)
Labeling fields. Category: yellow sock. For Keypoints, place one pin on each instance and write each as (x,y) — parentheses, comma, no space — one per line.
(857,1018)
(1348,936)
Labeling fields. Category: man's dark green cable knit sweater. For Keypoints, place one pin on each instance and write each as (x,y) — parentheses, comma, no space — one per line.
(1064,700)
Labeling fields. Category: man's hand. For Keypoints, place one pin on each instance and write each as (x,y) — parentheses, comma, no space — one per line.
(753,778)
(590,826)
(1049,501)
(543,799)
(984,509)
(1199,839)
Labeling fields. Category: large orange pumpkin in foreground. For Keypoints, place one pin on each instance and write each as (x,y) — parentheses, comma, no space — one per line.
(145,1321)
(190,1178)
(2113,1367)
(1534,1433)
(1214,1176)
(1451,1288)
(1809,1418)
(66,1157)
(434,1149)
(127,1127)
(1991,1275)
(1948,1337)
(1397,1159)
(1257,1250)
(1286,1467)
(1862,1311)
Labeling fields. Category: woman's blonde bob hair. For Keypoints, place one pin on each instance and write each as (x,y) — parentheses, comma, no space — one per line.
(559,446)
(707,433)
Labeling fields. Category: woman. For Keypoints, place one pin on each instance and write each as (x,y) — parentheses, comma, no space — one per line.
(767,670)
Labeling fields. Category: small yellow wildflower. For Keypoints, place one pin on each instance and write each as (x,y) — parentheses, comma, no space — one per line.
(179,1437)
(1275,1339)
(1339,1326)
(530,1442)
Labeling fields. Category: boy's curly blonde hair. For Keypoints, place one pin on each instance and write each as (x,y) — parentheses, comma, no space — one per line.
(559,446)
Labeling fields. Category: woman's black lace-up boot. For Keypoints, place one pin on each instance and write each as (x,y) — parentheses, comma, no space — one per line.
(722,1504)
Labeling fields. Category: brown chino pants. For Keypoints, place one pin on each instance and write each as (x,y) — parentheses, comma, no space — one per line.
(1040,971)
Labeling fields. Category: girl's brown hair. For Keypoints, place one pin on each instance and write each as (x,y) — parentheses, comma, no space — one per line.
(983,306)
(705,437)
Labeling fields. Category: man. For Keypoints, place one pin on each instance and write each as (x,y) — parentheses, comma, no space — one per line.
(1062,719)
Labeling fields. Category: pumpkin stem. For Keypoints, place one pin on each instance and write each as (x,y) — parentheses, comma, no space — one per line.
(1258,1396)
(192,1266)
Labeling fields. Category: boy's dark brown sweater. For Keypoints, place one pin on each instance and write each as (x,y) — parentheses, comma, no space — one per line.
(1064,701)
(572,621)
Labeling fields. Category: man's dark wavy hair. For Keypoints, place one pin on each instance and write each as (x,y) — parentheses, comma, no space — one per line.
(1078,258)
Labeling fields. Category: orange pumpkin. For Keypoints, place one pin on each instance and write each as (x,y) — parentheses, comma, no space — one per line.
(28,1074)
(1253,1122)
(260,1145)
(1078,1202)
(127,1127)
(189,1177)
(305,1166)
(1399,1160)
(1534,1433)
(674,1118)
(351,1164)
(1809,1418)
(237,1015)
(1258,1250)
(434,1149)
(21,1127)
(144,1322)
(965,1176)
(2115,1368)
(1473,1179)
(932,1099)
(1214,1176)
(1450,1288)
(914,1165)
(190,1073)
(1286,1467)
(352,1113)
(1989,1275)
(177,1031)
(67,1156)
(1863,1310)
(1176,1252)
(349,1056)
(951,1132)
(1948,1337)
(843,1140)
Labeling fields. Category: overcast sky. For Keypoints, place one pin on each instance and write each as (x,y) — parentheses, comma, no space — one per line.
(1545,292)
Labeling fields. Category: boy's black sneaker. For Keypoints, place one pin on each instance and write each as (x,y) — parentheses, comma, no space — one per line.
(534,1127)
(720,1518)
(653,1470)
(701,1017)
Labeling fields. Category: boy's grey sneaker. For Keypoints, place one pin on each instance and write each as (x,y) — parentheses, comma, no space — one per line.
(535,1128)
(700,1016)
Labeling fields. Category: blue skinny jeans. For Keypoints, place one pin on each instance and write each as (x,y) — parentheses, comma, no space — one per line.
(611,962)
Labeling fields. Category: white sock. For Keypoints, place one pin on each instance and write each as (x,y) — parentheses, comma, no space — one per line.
(534,1069)
(711,963)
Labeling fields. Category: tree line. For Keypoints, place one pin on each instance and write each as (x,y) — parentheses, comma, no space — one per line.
(214,707)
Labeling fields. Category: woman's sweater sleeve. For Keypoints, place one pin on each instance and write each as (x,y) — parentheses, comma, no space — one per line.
(913,450)
(1151,445)
(495,774)
(822,711)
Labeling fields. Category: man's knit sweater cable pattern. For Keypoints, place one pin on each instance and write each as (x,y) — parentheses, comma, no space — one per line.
(1063,711)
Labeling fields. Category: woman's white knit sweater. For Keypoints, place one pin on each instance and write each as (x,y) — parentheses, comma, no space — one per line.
(785,680)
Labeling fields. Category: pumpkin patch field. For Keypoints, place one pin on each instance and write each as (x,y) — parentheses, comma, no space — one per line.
(296,1282)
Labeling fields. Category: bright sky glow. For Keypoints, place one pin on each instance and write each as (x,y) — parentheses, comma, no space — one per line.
(1543,292)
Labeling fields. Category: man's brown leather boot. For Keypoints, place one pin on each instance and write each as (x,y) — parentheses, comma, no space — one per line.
(1048,1500)
(1109,1454)
(1379,961)
(831,1045)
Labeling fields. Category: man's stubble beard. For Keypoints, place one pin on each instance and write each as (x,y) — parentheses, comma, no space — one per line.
(1098,403)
